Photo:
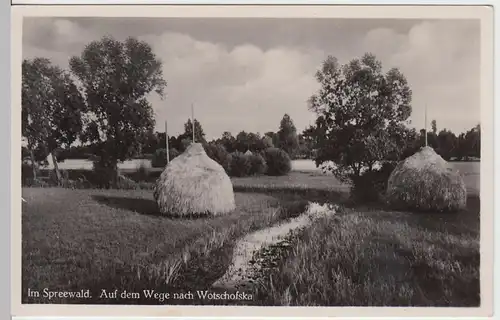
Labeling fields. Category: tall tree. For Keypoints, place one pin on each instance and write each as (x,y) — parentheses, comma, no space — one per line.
(52,108)
(461,152)
(287,135)
(305,147)
(473,142)
(228,141)
(447,143)
(116,78)
(362,113)
(274,138)
(267,142)
(254,142)
(434,126)
(199,134)
(242,143)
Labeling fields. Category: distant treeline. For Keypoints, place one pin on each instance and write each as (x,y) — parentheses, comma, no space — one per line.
(464,147)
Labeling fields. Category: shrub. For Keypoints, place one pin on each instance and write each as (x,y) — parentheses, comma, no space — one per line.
(143,185)
(53,177)
(159,158)
(75,184)
(257,164)
(147,156)
(240,164)
(371,185)
(219,154)
(82,183)
(81,175)
(278,162)
(174,153)
(37,183)
(142,173)
(103,176)
(125,183)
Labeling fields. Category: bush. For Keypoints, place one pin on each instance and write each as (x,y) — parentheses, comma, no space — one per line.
(240,164)
(219,154)
(76,184)
(173,153)
(104,176)
(278,162)
(142,173)
(371,185)
(147,156)
(125,183)
(257,164)
(159,158)
(27,173)
(53,177)
(143,185)
(36,183)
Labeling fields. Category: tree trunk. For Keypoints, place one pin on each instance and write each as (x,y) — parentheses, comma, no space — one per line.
(56,168)
(114,174)
(107,172)
(33,163)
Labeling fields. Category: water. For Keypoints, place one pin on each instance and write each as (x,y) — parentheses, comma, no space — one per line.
(82,164)
(466,168)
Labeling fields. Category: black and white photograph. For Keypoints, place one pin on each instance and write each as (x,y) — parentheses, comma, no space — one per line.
(252,161)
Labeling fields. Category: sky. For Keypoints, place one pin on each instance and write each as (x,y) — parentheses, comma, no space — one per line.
(245,74)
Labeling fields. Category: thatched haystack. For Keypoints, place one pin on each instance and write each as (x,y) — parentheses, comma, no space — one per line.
(192,184)
(426,182)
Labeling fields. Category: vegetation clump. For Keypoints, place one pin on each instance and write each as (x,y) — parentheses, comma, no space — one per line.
(278,162)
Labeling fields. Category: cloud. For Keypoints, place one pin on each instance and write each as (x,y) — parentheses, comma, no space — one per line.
(250,86)
(239,88)
(441,61)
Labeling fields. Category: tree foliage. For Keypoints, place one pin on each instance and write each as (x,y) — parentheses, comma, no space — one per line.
(447,143)
(287,136)
(362,115)
(434,126)
(278,162)
(52,108)
(469,144)
(116,77)
(199,134)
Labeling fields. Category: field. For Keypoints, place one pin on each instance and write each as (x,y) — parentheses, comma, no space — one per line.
(109,239)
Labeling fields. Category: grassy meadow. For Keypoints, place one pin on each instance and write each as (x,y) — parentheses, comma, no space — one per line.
(114,239)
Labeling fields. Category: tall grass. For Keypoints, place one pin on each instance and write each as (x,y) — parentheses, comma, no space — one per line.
(362,260)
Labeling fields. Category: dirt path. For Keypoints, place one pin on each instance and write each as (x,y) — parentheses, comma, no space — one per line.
(242,269)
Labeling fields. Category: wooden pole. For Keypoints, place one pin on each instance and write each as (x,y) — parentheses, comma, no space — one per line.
(425,113)
(166,142)
(192,120)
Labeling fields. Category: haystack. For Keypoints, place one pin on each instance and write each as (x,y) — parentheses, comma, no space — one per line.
(426,182)
(194,184)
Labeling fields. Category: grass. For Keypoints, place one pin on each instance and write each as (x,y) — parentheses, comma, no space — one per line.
(381,258)
(107,239)
(75,239)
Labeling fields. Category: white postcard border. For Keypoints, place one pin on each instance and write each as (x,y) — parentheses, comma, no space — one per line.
(484,13)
